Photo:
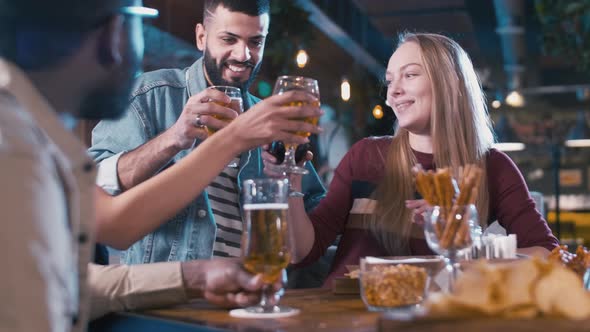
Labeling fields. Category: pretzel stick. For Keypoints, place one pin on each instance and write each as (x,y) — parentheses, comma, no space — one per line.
(467,194)
(422,186)
(449,191)
(439,188)
(450,230)
(420,179)
(432,187)
(463,234)
(425,186)
(444,180)
(452,222)
(448,211)
(438,229)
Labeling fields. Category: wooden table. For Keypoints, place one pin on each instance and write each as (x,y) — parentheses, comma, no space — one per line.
(320,311)
(387,323)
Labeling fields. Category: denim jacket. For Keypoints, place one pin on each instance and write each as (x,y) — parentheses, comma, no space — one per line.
(156,103)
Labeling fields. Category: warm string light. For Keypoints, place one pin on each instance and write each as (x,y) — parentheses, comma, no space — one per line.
(345,90)
(378,112)
(515,99)
(301,58)
(496,104)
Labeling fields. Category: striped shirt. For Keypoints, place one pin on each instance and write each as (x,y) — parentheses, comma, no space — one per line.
(223,197)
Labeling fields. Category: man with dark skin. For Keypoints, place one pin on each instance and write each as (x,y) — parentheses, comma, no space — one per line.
(169,111)
(59,61)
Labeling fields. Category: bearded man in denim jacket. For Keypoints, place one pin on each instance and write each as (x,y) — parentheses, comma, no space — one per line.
(168,115)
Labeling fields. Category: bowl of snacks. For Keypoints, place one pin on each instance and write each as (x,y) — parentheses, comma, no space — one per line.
(387,284)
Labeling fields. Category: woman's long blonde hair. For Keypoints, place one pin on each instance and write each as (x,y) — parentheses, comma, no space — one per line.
(461,134)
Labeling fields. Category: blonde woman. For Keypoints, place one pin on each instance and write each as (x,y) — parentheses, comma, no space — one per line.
(442,122)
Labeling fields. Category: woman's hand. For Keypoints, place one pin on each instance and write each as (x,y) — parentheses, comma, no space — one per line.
(418,207)
(294,179)
(273,120)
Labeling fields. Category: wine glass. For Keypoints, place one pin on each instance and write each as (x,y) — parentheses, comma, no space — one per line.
(282,85)
(266,246)
(448,232)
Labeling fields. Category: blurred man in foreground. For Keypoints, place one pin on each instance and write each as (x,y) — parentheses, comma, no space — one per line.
(62,60)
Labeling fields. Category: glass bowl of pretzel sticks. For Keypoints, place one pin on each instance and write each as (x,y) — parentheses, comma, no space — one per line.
(452,216)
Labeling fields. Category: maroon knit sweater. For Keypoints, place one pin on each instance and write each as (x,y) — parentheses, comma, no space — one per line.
(363,166)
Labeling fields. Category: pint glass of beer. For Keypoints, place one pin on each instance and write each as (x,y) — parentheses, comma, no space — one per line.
(235,103)
(265,237)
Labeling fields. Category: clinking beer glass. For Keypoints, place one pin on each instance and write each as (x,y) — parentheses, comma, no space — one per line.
(235,103)
(282,85)
(266,246)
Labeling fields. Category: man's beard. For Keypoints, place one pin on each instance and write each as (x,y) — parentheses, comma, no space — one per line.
(109,100)
(214,72)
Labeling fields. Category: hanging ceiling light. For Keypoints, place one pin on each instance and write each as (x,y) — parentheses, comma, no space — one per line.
(505,136)
(515,99)
(579,135)
(378,112)
(496,104)
(345,90)
(301,58)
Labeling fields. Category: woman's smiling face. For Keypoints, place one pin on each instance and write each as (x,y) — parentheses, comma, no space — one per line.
(409,90)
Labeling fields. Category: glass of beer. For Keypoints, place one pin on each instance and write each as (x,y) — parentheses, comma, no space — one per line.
(282,85)
(235,103)
(266,239)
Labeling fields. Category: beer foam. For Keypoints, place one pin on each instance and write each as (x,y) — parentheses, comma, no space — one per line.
(266,206)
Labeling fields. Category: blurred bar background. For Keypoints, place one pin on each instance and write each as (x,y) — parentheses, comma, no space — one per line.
(530,56)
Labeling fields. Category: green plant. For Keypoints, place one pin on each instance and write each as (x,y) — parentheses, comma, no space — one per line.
(566,29)
(290,29)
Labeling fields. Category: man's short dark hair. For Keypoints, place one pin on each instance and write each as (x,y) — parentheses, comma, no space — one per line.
(248,7)
(39,34)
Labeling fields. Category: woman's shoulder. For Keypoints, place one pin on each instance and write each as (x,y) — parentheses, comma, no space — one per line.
(497,158)
(373,143)
(501,167)
(367,157)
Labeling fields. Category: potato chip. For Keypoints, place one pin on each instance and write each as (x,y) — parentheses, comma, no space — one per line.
(560,293)
(519,277)
(481,288)
(519,289)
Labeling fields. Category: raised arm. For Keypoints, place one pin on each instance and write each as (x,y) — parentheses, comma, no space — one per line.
(124,219)
(315,231)
(143,162)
